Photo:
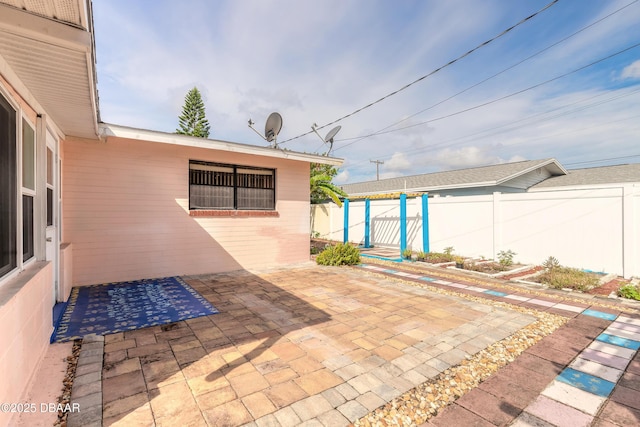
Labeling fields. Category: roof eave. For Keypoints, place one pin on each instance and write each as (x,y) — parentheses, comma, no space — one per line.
(555,166)
(110,130)
(27,28)
(430,188)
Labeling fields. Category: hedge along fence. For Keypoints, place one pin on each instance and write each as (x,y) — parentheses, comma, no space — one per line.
(592,228)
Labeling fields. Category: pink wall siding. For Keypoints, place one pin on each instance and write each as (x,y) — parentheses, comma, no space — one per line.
(25,316)
(66,271)
(126,212)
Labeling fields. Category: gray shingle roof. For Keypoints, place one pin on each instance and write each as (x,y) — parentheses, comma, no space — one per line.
(462,178)
(598,175)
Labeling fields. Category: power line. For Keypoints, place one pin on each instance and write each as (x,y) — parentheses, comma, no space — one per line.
(408,85)
(602,160)
(497,128)
(381,131)
(502,98)
(486,132)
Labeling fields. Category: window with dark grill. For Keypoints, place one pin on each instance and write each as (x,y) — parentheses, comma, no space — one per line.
(223,186)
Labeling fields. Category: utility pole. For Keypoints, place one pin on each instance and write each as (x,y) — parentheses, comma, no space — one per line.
(378,163)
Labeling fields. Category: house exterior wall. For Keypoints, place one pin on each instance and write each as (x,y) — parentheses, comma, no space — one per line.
(27,292)
(592,228)
(25,316)
(126,212)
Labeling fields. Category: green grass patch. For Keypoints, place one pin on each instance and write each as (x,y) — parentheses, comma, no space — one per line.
(569,278)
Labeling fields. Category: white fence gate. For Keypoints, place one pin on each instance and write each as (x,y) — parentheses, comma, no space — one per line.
(592,228)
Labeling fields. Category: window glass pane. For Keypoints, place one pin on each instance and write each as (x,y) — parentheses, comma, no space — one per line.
(211,186)
(8,187)
(255,198)
(28,156)
(49,206)
(27,227)
(49,166)
(208,197)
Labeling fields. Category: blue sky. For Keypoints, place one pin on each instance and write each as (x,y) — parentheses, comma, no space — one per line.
(316,61)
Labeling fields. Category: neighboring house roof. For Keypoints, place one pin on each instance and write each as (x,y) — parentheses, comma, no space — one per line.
(108,130)
(47,54)
(485,176)
(590,176)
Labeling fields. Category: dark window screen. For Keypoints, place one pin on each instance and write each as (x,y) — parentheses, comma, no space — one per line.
(27,227)
(8,188)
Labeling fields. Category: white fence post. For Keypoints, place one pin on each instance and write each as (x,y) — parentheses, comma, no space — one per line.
(629,232)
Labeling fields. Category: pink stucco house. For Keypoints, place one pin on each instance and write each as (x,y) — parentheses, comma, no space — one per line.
(84,202)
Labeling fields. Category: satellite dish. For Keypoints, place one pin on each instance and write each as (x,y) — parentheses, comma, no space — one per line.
(329,138)
(332,133)
(273,127)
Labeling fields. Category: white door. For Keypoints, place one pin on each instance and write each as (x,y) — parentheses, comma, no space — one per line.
(52,245)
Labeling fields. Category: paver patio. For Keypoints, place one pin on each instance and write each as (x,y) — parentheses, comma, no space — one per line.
(313,344)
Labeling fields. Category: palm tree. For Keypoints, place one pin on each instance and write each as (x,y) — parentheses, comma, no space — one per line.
(322,188)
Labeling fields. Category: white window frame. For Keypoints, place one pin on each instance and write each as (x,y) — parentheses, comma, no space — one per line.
(21,265)
(27,191)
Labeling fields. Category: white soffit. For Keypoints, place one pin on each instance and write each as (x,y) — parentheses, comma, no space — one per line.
(109,130)
(51,53)
(69,11)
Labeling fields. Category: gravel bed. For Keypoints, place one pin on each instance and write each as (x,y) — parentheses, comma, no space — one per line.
(425,401)
(67,383)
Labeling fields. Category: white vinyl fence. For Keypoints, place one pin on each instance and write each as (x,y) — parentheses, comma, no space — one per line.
(591,228)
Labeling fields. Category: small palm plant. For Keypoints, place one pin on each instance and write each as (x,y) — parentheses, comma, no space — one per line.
(322,188)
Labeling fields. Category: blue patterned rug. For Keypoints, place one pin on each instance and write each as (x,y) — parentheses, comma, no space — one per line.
(118,307)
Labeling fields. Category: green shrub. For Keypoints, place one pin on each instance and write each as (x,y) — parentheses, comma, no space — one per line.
(566,277)
(407,253)
(629,291)
(506,257)
(340,254)
(551,263)
(420,255)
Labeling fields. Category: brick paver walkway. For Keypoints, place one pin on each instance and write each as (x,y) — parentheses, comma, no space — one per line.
(585,373)
(314,344)
(325,346)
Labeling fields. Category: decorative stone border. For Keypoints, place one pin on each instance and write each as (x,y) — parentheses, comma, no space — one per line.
(86,392)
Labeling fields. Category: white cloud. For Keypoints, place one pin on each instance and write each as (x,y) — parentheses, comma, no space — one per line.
(464,157)
(631,71)
(342,177)
(319,61)
(397,163)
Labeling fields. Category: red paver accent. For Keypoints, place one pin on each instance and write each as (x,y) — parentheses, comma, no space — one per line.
(626,396)
(537,364)
(619,414)
(515,374)
(634,366)
(630,380)
(543,350)
(456,415)
(489,407)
